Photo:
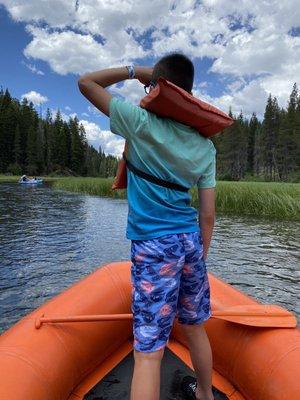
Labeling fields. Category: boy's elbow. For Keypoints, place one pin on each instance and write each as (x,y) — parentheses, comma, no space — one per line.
(84,85)
(82,81)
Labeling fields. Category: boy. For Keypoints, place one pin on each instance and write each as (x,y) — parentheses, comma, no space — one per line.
(168,250)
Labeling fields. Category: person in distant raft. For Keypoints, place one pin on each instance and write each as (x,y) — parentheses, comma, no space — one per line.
(169,245)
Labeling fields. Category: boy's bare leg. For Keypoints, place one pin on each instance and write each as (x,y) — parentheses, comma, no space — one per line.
(201,357)
(145,383)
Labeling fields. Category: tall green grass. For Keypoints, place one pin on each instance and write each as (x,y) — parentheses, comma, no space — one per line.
(15,178)
(9,178)
(273,200)
(93,186)
(261,199)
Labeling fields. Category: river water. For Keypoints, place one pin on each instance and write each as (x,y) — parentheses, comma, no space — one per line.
(50,239)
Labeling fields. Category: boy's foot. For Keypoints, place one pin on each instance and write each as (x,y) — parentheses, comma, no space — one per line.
(189,388)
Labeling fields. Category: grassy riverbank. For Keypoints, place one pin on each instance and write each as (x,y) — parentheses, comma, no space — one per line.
(15,178)
(9,178)
(274,200)
(93,186)
(263,199)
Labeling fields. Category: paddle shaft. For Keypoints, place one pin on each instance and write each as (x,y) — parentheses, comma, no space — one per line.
(118,317)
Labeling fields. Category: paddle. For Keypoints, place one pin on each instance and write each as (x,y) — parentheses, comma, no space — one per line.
(259,315)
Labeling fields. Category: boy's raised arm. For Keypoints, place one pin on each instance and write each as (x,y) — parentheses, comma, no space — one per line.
(92,85)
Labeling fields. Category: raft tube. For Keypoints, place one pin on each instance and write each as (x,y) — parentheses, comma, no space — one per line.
(61,361)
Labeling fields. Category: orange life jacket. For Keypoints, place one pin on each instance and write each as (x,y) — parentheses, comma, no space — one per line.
(170,101)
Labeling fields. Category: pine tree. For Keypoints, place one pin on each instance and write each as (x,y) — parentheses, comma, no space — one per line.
(77,146)
(258,156)
(56,144)
(17,146)
(289,136)
(5,100)
(103,168)
(270,148)
(65,146)
(297,134)
(28,119)
(48,137)
(270,138)
(253,126)
(8,123)
(32,151)
(232,150)
(40,148)
(84,145)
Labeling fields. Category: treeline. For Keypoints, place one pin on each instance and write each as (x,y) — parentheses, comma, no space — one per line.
(35,146)
(249,149)
(267,150)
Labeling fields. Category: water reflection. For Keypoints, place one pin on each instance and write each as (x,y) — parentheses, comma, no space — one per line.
(50,239)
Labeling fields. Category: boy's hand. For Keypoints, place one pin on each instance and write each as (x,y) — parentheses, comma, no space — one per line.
(143,74)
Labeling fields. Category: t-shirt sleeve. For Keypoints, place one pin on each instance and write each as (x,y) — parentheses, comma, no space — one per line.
(126,119)
(208,178)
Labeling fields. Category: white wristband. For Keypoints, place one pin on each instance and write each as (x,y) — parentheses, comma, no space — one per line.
(131,71)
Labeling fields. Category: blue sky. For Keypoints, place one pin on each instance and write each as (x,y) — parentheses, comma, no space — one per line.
(241,51)
(61,90)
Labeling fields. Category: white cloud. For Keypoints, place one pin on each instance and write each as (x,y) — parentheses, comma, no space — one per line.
(36,98)
(110,143)
(85,114)
(56,13)
(65,117)
(203,84)
(275,54)
(33,69)
(66,52)
(67,108)
(70,52)
(247,41)
(93,110)
(98,17)
(131,90)
(250,98)
(236,85)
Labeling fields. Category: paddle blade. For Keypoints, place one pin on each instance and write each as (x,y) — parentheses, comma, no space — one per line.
(260,315)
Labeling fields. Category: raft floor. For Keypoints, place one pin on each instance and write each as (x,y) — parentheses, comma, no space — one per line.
(116,384)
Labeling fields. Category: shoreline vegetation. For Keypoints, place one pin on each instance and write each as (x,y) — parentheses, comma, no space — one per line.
(270,200)
(261,149)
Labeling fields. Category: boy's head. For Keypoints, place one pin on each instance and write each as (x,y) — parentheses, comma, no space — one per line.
(176,68)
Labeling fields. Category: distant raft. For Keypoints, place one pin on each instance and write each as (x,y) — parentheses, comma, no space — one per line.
(64,361)
(31,182)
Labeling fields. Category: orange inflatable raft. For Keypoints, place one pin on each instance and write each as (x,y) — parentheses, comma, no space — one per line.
(60,361)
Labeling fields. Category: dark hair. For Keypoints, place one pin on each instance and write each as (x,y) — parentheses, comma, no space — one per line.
(176,68)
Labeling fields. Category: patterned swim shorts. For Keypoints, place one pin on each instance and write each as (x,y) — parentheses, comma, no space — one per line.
(169,278)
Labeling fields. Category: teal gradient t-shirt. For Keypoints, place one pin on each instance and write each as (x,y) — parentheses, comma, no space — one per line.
(168,150)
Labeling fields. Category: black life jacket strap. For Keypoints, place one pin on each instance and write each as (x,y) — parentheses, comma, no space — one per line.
(154,179)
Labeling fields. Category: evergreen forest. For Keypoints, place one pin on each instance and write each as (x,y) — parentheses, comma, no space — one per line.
(249,149)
